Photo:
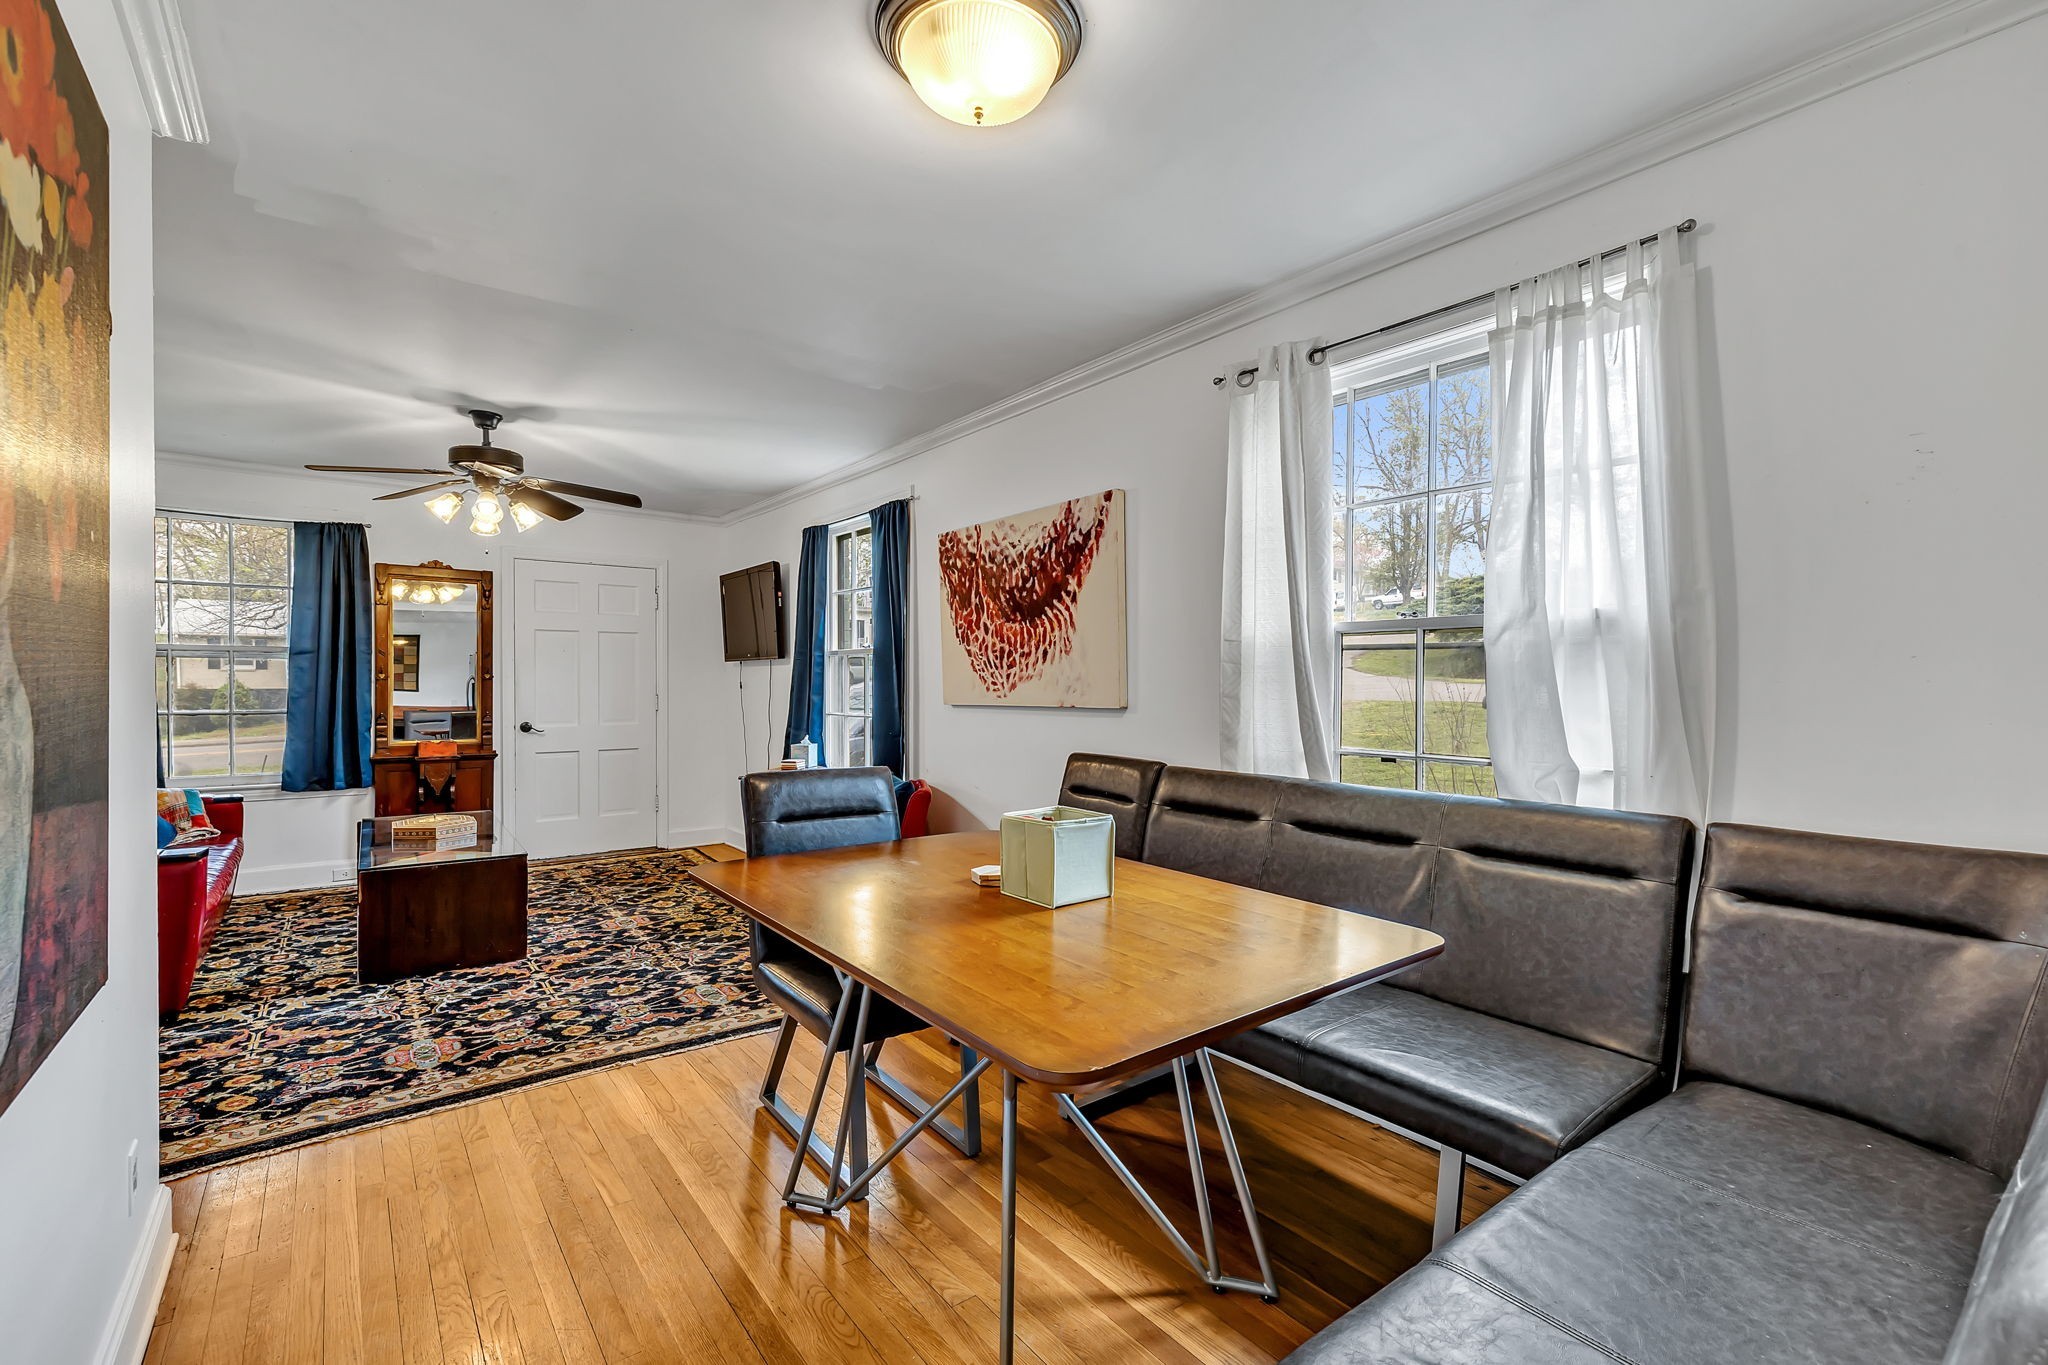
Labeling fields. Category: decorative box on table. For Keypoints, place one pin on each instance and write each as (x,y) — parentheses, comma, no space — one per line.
(434,832)
(1058,855)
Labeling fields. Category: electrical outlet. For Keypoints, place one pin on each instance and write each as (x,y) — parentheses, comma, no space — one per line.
(134,1175)
(343,874)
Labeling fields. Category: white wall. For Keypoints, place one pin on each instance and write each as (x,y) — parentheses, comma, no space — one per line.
(77,1263)
(308,839)
(1877,470)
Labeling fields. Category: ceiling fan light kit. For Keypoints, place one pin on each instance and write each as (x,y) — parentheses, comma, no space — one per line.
(425,594)
(980,62)
(499,480)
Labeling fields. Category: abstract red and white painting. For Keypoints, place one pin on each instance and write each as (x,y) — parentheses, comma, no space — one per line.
(1034,607)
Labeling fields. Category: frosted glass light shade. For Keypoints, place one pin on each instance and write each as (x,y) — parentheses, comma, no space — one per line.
(981,62)
(524,517)
(479,527)
(446,506)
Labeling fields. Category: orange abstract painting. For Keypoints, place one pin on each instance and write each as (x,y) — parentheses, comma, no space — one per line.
(54,329)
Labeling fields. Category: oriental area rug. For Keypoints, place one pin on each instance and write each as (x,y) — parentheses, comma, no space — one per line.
(628,958)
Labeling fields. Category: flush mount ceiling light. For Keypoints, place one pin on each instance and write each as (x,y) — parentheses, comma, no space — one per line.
(980,62)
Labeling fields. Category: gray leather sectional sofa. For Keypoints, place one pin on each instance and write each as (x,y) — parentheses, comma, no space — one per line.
(1547,1017)
(1852,1164)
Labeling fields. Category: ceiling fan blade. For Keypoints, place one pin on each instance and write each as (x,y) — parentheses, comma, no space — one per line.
(370,469)
(415,492)
(586,491)
(545,503)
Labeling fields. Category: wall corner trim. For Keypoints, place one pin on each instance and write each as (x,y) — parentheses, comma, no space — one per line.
(1904,44)
(127,1332)
(155,33)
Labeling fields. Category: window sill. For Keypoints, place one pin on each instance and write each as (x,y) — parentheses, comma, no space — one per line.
(256,791)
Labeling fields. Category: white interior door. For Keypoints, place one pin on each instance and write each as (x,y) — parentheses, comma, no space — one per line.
(585,749)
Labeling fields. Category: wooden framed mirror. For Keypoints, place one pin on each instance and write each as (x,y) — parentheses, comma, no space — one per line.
(433,632)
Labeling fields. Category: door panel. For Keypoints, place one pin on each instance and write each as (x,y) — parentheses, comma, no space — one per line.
(585,777)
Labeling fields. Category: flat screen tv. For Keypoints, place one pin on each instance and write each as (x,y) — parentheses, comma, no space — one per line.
(751,605)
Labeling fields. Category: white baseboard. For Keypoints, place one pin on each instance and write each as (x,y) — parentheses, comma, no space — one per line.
(697,838)
(264,881)
(127,1333)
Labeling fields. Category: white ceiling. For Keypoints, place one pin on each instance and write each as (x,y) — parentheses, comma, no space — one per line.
(708,251)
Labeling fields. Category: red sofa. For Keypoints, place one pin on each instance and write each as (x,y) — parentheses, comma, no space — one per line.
(193,883)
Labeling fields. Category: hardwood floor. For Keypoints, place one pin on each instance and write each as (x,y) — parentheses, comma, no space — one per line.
(631,1216)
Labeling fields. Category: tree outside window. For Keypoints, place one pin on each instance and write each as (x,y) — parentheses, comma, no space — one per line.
(1411,478)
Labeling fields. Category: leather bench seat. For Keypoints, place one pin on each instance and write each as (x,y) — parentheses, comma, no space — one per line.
(1513,1096)
(1717,1225)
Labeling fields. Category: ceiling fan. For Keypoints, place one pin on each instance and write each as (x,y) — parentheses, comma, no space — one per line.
(498,477)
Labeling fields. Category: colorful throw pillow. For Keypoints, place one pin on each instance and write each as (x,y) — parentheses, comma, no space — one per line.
(166,832)
(171,805)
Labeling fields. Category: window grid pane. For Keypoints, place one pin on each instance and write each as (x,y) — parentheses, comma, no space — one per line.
(1411,478)
(849,637)
(223,616)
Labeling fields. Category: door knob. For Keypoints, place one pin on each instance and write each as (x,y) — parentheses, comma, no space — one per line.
(527,727)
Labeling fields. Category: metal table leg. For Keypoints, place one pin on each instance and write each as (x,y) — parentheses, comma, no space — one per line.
(1204,1265)
(848,1177)
(966,1137)
(1006,1316)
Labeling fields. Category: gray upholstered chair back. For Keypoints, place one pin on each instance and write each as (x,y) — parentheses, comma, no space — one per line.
(1563,919)
(1212,824)
(2005,1317)
(818,808)
(1121,788)
(1904,985)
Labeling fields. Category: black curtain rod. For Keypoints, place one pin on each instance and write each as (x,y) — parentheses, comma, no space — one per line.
(1321,353)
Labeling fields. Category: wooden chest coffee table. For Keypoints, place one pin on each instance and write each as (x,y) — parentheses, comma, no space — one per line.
(421,911)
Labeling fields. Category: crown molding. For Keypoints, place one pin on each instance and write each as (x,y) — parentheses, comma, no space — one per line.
(1904,44)
(155,33)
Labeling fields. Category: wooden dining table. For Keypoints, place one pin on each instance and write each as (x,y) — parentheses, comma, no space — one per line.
(1075,997)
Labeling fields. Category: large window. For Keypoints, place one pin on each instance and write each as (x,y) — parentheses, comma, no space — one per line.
(223,611)
(850,645)
(1412,473)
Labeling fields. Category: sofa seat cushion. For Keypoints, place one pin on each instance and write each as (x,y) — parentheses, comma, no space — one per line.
(1717,1225)
(1514,1097)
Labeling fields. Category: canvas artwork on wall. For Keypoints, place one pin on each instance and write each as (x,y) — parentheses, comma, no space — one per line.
(405,663)
(54,326)
(1034,607)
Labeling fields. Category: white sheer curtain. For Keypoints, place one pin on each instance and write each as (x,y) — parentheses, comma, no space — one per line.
(1599,626)
(1279,644)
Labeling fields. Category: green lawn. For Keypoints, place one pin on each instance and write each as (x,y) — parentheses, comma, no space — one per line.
(1453,727)
(1465,664)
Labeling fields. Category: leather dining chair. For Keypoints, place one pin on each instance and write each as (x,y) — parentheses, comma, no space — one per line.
(1121,788)
(805,812)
